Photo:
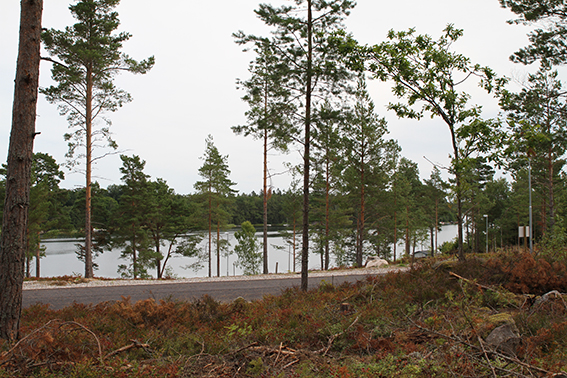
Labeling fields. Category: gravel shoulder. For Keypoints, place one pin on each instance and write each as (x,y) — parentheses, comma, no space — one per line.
(98,282)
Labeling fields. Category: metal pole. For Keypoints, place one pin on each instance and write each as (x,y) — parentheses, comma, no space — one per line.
(227,256)
(486,216)
(530,232)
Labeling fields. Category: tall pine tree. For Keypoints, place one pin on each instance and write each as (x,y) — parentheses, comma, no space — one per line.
(86,58)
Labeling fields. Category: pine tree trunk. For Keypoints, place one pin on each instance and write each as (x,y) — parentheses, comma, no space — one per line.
(361,219)
(265,214)
(327,212)
(37,257)
(88,208)
(218,246)
(306,157)
(18,176)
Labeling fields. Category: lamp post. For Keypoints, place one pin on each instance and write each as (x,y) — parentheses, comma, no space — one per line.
(486,216)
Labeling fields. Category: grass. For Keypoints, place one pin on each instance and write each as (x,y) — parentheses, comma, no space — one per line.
(427,322)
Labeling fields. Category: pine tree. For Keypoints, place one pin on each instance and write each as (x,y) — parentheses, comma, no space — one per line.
(129,231)
(365,155)
(313,70)
(18,176)
(87,58)
(269,116)
(215,190)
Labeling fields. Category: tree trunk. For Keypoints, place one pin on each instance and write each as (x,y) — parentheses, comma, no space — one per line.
(158,259)
(362,217)
(307,141)
(265,213)
(18,175)
(210,231)
(88,208)
(218,246)
(407,232)
(457,173)
(37,257)
(327,212)
(551,198)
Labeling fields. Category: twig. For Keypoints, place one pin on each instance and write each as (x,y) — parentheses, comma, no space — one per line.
(8,353)
(93,335)
(291,363)
(245,347)
(278,356)
(333,337)
(486,356)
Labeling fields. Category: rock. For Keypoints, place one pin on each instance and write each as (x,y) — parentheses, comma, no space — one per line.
(375,262)
(505,339)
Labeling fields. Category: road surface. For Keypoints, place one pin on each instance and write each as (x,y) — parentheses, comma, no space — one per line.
(221,290)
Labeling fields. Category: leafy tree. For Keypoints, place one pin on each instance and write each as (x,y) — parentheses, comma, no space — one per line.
(215,189)
(20,152)
(247,249)
(547,43)
(167,220)
(426,74)
(269,116)
(313,67)
(87,58)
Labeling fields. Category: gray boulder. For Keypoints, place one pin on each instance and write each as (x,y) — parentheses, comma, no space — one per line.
(504,339)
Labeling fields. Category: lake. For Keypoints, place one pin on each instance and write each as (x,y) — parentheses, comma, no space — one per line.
(61,259)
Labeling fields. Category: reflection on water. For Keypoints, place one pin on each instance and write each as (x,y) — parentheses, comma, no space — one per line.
(61,258)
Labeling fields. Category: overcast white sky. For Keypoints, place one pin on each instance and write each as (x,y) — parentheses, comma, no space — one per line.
(191,91)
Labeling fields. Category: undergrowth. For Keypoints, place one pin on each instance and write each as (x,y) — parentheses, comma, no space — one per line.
(431,321)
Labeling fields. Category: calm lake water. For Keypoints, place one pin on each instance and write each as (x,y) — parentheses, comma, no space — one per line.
(61,259)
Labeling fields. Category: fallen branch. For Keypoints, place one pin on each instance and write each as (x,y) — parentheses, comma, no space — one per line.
(135,344)
(546,297)
(472,282)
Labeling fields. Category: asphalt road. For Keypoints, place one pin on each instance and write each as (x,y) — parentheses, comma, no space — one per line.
(223,290)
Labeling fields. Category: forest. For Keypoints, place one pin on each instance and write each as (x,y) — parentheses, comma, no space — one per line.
(487,304)
(354,194)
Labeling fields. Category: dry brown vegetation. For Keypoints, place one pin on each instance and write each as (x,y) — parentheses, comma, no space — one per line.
(432,321)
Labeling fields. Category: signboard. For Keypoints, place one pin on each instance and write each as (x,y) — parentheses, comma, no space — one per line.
(524,231)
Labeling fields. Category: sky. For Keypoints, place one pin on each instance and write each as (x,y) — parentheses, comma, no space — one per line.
(191,92)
